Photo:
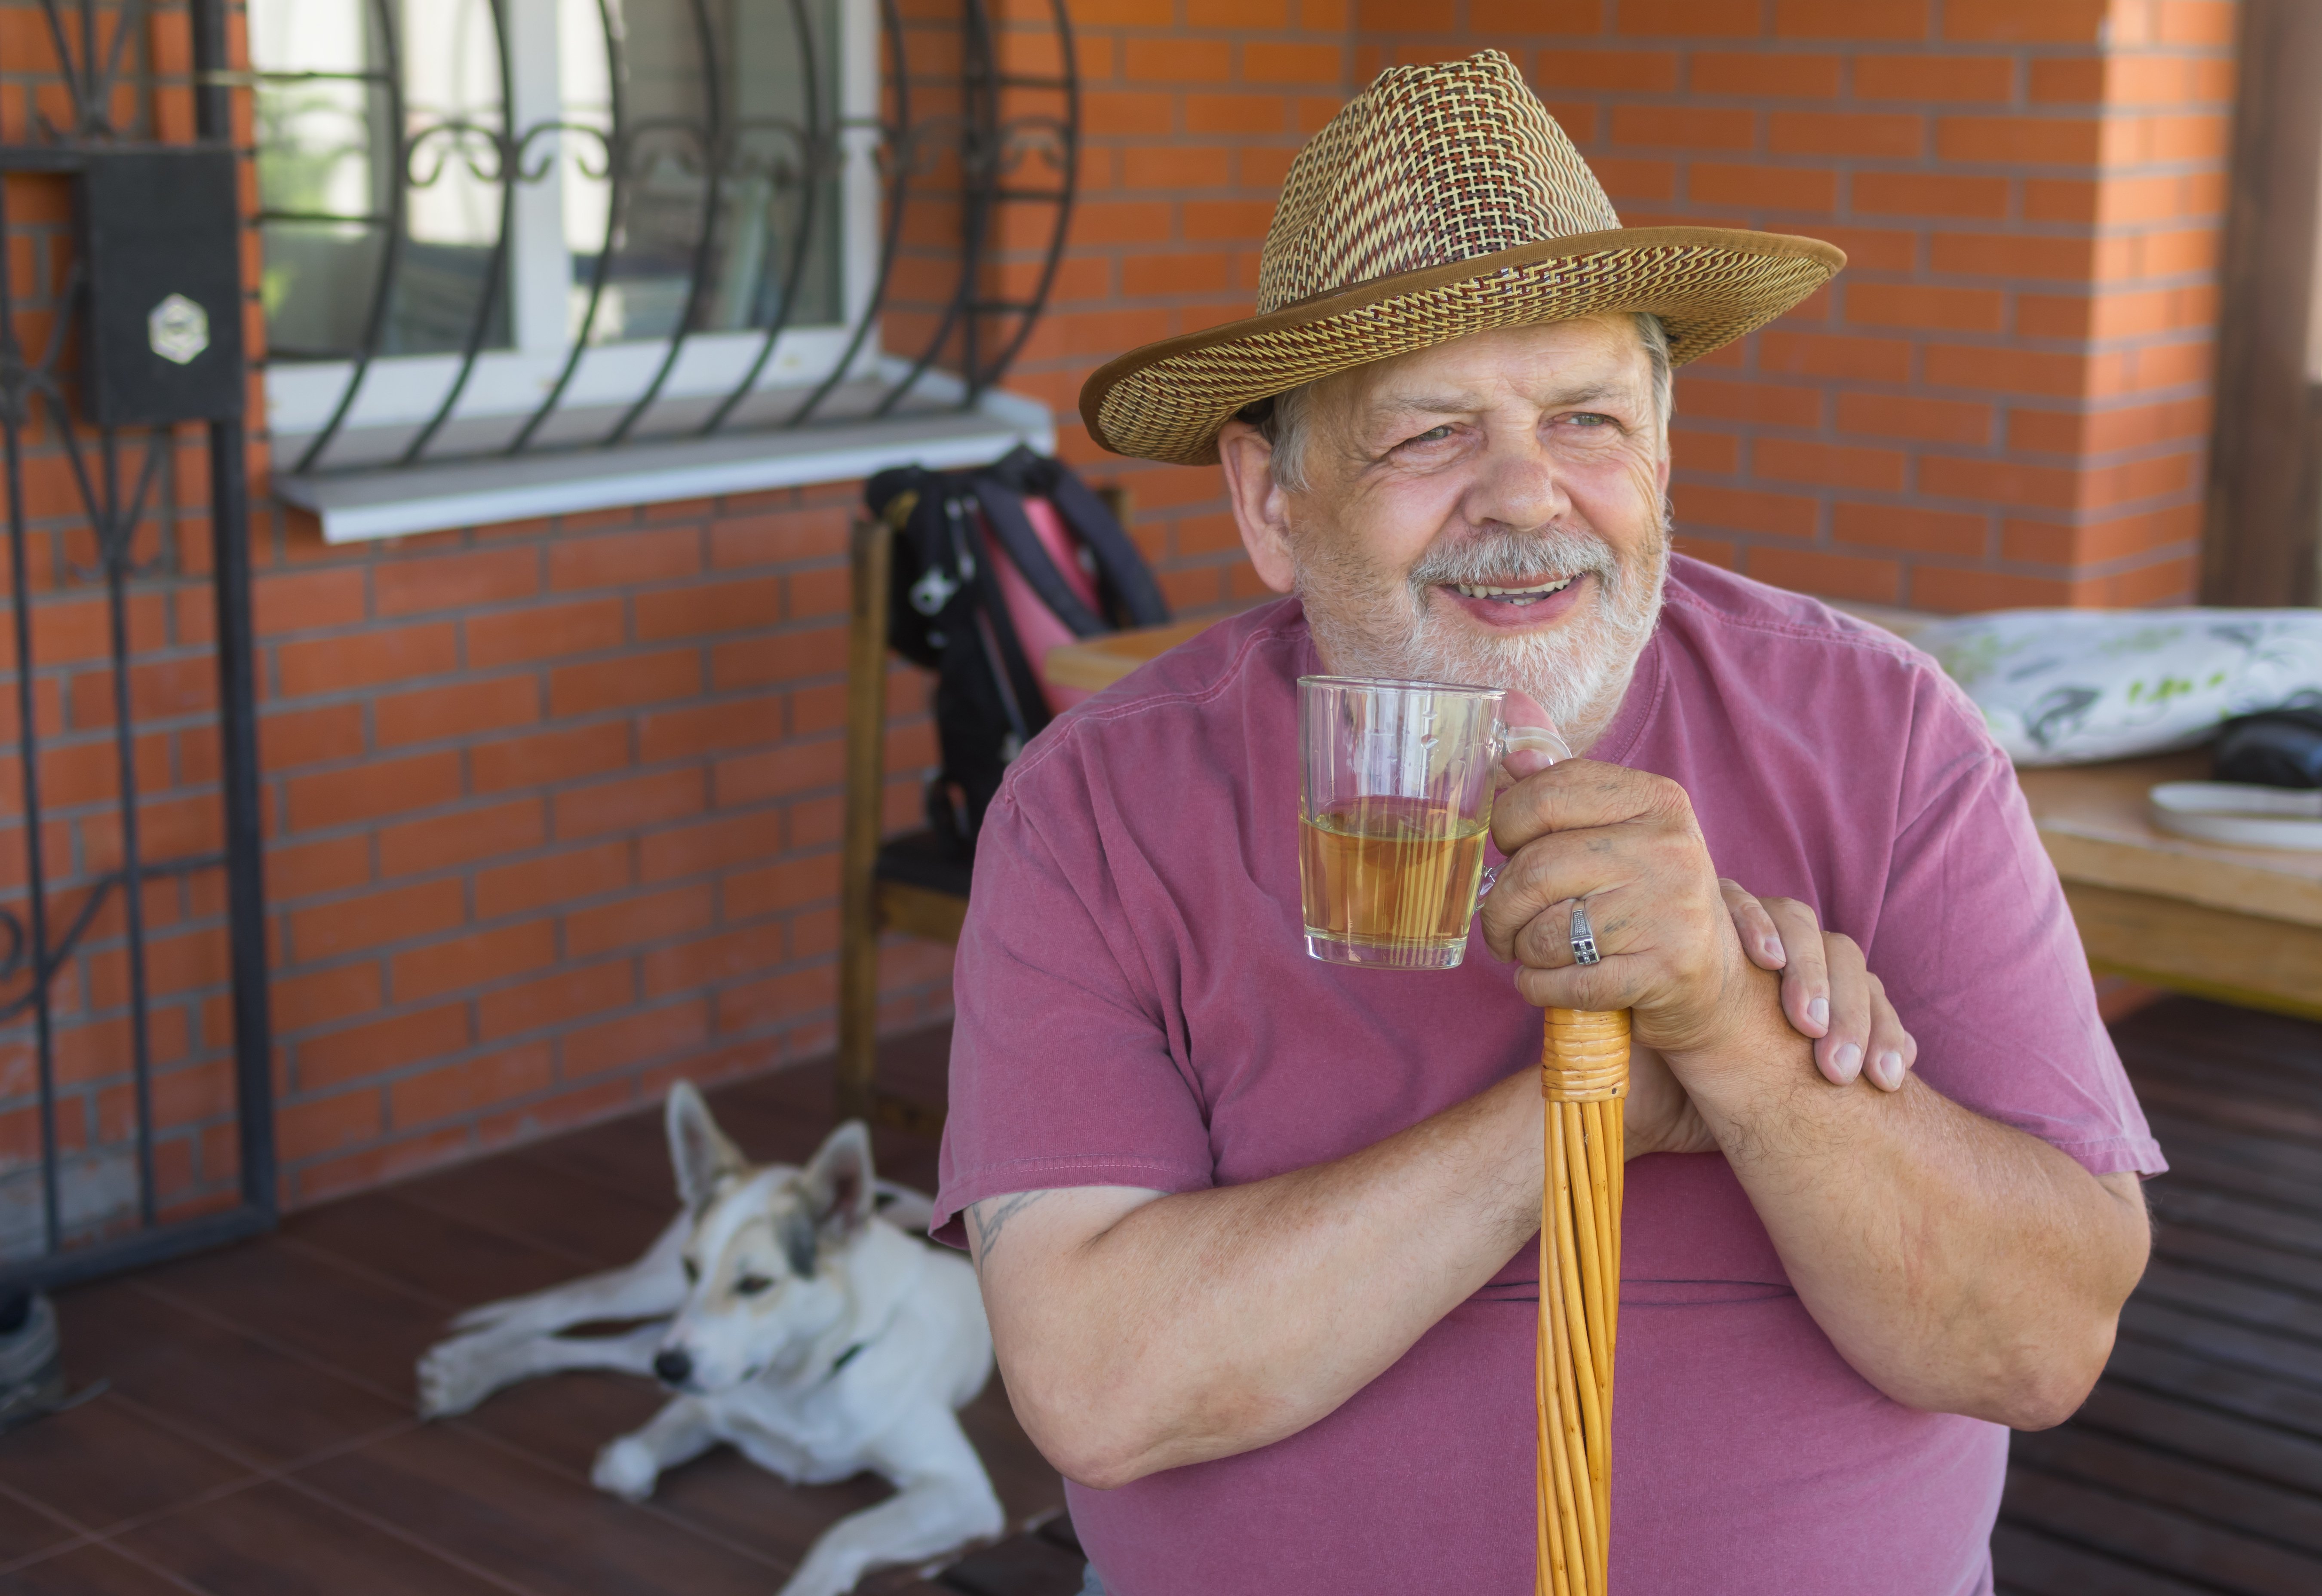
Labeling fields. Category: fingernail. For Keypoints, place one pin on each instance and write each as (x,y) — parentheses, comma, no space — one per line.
(1890,1070)
(1847,1060)
(1771,948)
(1818,1012)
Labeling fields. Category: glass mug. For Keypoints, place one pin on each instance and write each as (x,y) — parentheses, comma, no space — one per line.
(1394,807)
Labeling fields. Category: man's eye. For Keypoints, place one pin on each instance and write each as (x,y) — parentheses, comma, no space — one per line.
(750,1285)
(1590,418)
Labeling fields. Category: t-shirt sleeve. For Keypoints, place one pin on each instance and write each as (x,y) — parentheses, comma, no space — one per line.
(1062,1068)
(1996,989)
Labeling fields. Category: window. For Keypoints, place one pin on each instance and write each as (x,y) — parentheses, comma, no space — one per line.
(497,227)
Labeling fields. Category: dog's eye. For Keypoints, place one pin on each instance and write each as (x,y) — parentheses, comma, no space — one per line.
(692,1272)
(750,1285)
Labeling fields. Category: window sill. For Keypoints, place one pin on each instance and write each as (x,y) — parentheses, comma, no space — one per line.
(359,507)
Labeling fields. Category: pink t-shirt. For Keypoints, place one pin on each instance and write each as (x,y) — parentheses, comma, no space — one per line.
(1135,1008)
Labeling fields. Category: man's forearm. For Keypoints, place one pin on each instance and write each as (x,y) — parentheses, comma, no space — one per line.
(1208,1323)
(1960,1265)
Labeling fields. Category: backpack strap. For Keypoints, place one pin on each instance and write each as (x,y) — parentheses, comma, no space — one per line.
(1120,567)
(1003,512)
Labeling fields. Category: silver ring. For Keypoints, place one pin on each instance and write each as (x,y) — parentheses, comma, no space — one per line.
(1584,938)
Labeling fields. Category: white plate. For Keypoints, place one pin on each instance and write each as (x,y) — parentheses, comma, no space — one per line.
(2238,814)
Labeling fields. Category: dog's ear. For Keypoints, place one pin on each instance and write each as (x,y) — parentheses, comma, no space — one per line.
(698,1149)
(838,1183)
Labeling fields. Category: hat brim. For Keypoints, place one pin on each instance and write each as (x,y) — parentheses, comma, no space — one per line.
(1708,284)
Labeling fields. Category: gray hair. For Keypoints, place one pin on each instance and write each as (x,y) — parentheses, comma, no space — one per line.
(1282,420)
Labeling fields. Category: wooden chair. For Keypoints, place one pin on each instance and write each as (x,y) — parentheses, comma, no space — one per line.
(904,883)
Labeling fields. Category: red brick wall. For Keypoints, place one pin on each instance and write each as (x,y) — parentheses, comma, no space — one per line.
(554,807)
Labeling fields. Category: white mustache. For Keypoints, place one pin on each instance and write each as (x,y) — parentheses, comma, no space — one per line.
(1493,559)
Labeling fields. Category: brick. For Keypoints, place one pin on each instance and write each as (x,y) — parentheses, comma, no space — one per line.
(368,791)
(1948,591)
(1744,509)
(547,757)
(303,601)
(777,1000)
(564,995)
(1774,403)
(473,961)
(629,804)
(1810,355)
(1176,167)
(398,914)
(624,682)
(1764,75)
(1234,113)
(786,884)
(1906,527)
(633,922)
(707,846)
(1999,482)
(1494,19)
(442,841)
(635,1039)
(1929,194)
(1796,461)
(1891,416)
(381,1047)
(694,729)
(2072,81)
(1627,178)
(789,656)
(1892,135)
(289,738)
(2008,22)
(1920,305)
(300,870)
(1731,19)
(624,559)
(2073,141)
(1850,19)
(728,606)
(1935,77)
(557,878)
(462,709)
(1176,60)
(2005,371)
(331,1177)
(750,951)
(1605,71)
(1989,254)
(1291,63)
(1690,127)
(1692,450)
(783,538)
(1833,575)
(1769,188)
(325,1125)
(455,581)
(457,1090)
(367,658)
(1109,114)
(795,767)
(544,632)
(320,999)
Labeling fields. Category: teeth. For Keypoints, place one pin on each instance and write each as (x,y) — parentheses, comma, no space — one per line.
(1513,595)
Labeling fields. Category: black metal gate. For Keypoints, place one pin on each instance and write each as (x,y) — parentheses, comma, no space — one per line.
(135,1091)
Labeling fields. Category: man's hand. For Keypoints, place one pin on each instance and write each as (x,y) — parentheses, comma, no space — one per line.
(1828,993)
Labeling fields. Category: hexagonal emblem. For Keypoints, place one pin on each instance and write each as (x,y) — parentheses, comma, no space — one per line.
(178,329)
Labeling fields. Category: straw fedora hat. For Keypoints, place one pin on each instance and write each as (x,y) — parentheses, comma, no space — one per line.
(1442,201)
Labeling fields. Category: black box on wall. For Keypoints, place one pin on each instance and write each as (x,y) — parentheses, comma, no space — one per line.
(161,262)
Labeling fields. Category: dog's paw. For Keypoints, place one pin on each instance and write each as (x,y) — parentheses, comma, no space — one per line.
(627,1468)
(455,1375)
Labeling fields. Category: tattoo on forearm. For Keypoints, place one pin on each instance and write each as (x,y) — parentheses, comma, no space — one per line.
(990,1216)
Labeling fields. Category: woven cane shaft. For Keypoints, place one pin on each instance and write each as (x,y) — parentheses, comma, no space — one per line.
(1585,1055)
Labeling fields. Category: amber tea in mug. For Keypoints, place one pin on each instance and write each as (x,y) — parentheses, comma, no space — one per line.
(1395,808)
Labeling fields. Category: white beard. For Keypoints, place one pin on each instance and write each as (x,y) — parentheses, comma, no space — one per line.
(1575,670)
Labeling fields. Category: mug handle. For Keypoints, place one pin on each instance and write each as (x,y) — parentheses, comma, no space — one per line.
(1506,740)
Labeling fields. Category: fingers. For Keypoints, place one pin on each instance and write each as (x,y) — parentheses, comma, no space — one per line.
(1807,980)
(1839,1055)
(1755,927)
(1578,794)
(1892,1050)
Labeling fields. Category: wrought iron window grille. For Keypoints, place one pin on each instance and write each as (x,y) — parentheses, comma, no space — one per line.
(97,1171)
(879,243)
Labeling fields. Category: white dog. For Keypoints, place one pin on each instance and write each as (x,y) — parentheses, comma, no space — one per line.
(797,1322)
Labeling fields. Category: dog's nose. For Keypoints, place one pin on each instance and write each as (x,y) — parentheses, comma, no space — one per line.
(673,1367)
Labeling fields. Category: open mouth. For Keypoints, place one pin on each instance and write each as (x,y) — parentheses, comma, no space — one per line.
(1532,594)
(1518,604)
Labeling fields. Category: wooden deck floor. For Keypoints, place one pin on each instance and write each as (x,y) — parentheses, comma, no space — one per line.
(258,1438)
(2196,1467)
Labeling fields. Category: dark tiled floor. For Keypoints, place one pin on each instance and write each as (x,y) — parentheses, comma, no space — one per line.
(258,1436)
(2196,1467)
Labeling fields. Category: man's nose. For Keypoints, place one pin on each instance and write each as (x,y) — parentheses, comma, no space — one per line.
(673,1366)
(1519,488)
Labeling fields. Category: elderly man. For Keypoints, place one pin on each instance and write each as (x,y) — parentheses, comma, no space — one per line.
(1253,1229)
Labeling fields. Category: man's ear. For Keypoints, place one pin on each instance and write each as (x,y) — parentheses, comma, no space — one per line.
(1260,508)
(698,1149)
(837,1183)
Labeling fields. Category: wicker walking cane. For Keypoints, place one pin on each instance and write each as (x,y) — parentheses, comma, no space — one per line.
(1584,1074)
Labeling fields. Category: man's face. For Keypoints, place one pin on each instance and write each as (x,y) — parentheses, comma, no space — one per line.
(1488,510)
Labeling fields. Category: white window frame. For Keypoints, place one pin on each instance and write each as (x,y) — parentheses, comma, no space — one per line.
(406,390)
